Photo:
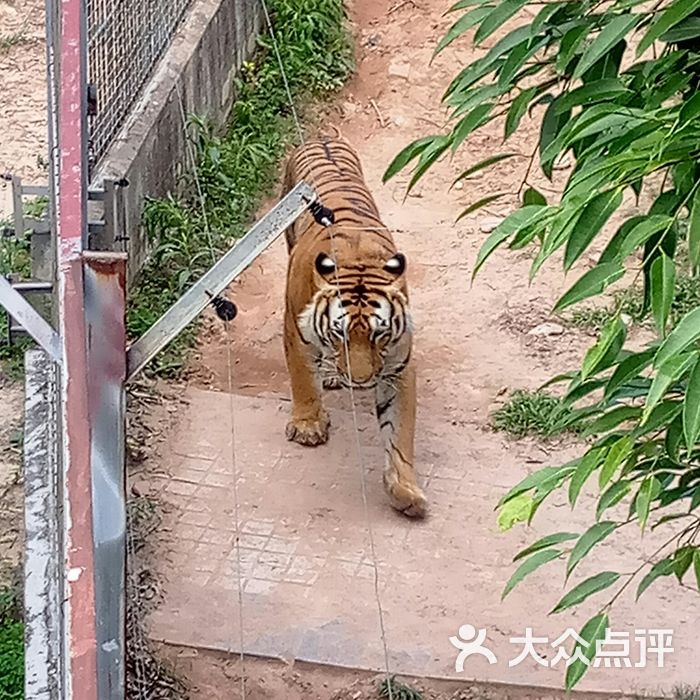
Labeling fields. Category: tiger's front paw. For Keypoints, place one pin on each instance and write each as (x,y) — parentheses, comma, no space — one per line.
(309,431)
(407,498)
(331,383)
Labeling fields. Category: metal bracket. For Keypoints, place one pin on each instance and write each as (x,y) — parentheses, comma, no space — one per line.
(213,282)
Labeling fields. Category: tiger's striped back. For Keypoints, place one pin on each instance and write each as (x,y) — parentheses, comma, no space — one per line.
(334,170)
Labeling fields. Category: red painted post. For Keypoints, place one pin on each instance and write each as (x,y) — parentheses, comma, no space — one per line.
(71,222)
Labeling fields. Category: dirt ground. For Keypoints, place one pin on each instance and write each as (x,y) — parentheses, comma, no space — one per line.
(22,94)
(212,673)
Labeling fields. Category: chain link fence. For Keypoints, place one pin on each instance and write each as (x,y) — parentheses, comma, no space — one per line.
(125,40)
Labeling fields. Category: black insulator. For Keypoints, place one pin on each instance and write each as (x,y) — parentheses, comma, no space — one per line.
(226,310)
(322,215)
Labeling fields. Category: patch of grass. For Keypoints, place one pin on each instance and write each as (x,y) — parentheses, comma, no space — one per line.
(9,41)
(391,688)
(686,692)
(237,169)
(594,318)
(15,261)
(11,647)
(529,413)
(686,297)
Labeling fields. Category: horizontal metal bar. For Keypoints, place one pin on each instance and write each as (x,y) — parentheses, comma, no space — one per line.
(213,282)
(32,286)
(23,312)
(35,190)
(96,195)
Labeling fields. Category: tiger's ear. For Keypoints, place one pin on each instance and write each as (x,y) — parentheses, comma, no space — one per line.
(396,265)
(324,264)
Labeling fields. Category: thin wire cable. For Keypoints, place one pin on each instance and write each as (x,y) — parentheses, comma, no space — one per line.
(358,445)
(236,518)
(283,73)
(234,470)
(195,171)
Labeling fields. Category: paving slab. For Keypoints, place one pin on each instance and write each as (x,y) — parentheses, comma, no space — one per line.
(307,574)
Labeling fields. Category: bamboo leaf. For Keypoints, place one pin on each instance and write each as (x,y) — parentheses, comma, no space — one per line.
(643,231)
(694,231)
(671,371)
(595,91)
(545,543)
(513,223)
(589,539)
(618,453)
(672,15)
(471,121)
(528,566)
(612,496)
(483,164)
(612,335)
(661,568)
(610,35)
(691,408)
(585,589)
(591,283)
(588,464)
(406,155)
(594,216)
(484,201)
(591,633)
(648,490)
(427,158)
(662,280)
(628,369)
(503,11)
(684,334)
(517,109)
(689,28)
(463,24)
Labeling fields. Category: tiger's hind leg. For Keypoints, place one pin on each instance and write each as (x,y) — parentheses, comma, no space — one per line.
(309,423)
(396,412)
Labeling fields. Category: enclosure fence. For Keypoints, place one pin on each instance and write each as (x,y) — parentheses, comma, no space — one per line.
(125,40)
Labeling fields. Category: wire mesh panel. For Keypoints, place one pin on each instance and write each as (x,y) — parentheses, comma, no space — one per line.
(125,39)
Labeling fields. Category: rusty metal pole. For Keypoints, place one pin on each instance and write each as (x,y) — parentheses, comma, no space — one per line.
(105,284)
(80,652)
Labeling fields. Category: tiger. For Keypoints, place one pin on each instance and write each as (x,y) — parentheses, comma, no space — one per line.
(346,316)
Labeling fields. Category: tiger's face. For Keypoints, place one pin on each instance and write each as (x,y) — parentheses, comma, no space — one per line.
(359,321)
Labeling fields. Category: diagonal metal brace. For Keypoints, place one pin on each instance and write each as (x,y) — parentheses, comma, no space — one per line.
(213,282)
(32,322)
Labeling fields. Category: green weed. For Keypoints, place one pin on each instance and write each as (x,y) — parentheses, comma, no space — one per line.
(686,297)
(391,688)
(15,261)
(9,41)
(594,318)
(11,647)
(686,692)
(236,169)
(529,413)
